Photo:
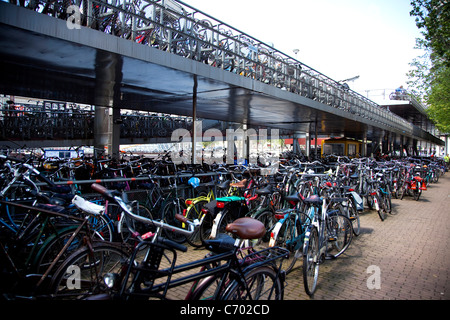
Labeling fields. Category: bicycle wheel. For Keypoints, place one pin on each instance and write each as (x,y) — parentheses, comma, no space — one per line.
(53,246)
(311,261)
(205,227)
(268,219)
(353,215)
(81,274)
(288,237)
(262,284)
(102,227)
(195,212)
(340,234)
(380,206)
(168,212)
(222,221)
(418,191)
(388,201)
(140,227)
(206,288)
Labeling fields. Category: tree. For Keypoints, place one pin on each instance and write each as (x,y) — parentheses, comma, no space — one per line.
(430,76)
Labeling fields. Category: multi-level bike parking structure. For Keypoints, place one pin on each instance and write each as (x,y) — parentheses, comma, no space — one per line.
(176,27)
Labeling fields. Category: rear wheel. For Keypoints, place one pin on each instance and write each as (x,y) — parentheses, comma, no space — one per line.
(261,283)
(340,234)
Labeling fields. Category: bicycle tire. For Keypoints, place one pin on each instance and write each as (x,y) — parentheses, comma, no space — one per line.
(206,288)
(195,212)
(418,191)
(381,207)
(52,247)
(267,218)
(311,261)
(263,284)
(388,198)
(102,227)
(339,226)
(290,229)
(168,212)
(125,234)
(353,215)
(93,264)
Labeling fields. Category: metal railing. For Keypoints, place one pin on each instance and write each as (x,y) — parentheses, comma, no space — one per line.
(179,28)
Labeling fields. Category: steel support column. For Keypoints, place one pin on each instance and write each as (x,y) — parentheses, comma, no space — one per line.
(108,73)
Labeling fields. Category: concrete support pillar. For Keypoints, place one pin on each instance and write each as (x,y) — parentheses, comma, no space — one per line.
(296,146)
(364,145)
(108,73)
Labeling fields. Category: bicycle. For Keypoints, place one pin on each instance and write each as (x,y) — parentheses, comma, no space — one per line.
(289,231)
(222,273)
(327,237)
(55,273)
(194,211)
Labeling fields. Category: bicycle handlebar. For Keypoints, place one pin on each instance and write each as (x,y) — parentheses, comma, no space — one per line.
(109,194)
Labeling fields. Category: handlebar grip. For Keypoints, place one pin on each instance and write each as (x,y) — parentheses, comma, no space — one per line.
(181,218)
(173,244)
(102,190)
(46,180)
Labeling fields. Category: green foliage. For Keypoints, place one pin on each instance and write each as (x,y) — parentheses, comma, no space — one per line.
(429,79)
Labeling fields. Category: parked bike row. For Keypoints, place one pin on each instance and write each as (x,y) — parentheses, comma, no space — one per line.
(27,122)
(121,241)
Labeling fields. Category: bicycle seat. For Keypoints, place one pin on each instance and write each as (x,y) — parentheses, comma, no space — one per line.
(292,197)
(239,184)
(247,228)
(224,185)
(265,190)
(314,200)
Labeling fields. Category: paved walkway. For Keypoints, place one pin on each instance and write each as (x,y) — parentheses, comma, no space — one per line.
(410,251)
(407,256)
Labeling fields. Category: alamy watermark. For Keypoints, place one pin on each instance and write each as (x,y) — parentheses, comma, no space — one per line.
(74,19)
(74,278)
(374,280)
(231,154)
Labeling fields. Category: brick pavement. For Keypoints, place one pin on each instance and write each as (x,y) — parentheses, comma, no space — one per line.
(410,249)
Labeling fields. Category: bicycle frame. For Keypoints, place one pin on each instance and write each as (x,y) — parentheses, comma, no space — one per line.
(83,224)
(224,264)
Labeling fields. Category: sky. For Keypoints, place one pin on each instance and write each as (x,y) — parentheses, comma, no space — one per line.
(372,39)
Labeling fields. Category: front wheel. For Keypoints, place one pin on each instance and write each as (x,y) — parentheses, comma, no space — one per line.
(311,261)
(194,211)
(81,274)
(171,208)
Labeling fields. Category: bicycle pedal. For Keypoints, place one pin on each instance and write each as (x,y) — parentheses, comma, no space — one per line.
(332,238)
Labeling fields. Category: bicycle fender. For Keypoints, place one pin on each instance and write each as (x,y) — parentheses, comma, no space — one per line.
(306,239)
(216,225)
(375,201)
(358,201)
(274,234)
